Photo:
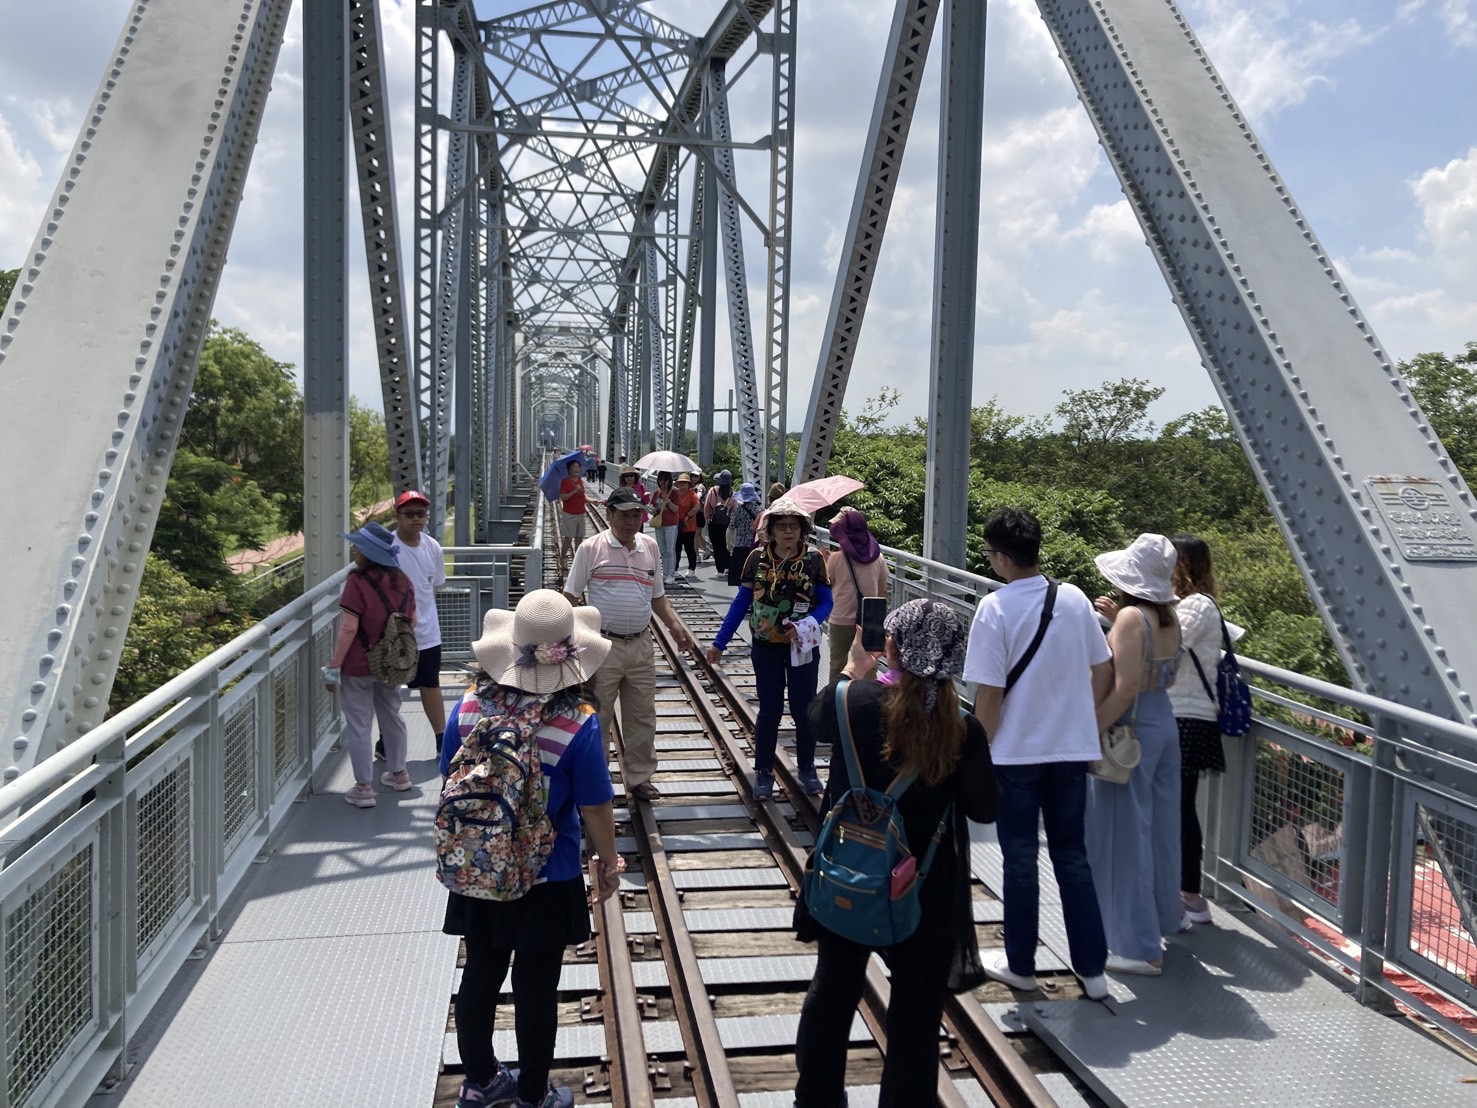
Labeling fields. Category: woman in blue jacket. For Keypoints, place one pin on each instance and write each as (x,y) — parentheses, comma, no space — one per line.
(785,592)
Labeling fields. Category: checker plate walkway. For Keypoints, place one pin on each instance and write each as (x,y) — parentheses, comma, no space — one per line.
(331,978)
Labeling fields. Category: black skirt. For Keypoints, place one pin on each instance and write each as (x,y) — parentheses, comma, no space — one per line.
(1200,746)
(552,915)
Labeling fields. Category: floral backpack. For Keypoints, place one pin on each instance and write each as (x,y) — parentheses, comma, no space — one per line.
(493,833)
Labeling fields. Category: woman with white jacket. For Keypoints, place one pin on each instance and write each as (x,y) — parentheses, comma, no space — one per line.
(1193,700)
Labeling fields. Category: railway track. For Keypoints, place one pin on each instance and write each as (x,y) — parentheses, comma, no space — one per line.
(690,991)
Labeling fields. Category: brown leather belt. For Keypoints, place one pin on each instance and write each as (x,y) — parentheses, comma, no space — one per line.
(623,638)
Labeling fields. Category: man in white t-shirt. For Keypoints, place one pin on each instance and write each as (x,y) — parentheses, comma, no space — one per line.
(1041,738)
(424,562)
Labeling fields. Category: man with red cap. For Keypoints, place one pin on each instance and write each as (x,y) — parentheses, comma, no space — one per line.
(422,560)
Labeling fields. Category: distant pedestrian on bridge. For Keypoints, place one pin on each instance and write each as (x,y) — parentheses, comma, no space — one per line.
(424,562)
(619,572)
(1056,667)
(630,478)
(572,504)
(857,570)
(717,511)
(787,595)
(664,512)
(741,526)
(373,591)
(534,664)
(689,505)
(909,721)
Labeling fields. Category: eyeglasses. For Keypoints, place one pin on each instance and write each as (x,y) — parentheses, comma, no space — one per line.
(421,514)
(990,550)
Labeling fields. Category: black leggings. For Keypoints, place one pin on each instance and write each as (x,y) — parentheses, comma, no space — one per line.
(687,540)
(910,1071)
(1192,846)
(535,1013)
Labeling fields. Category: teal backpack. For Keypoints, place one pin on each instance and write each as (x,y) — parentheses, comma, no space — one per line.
(863,880)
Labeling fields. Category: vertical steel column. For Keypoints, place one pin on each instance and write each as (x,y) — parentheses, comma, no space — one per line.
(427,175)
(619,402)
(781,182)
(708,340)
(488,507)
(674,414)
(955,277)
(686,327)
(462,379)
(653,344)
(325,275)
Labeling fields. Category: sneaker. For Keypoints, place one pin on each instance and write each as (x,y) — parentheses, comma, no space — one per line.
(400,782)
(379,750)
(669,580)
(997,967)
(763,785)
(502,1089)
(1197,908)
(1185,924)
(1094,988)
(810,781)
(360,796)
(561,1097)
(1117,964)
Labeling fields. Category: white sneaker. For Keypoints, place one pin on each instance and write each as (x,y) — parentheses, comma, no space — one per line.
(1094,988)
(1137,966)
(996,966)
(669,580)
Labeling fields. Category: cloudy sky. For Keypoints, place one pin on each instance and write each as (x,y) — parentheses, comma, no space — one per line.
(1368,109)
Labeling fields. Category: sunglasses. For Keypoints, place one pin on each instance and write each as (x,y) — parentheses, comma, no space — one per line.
(417,514)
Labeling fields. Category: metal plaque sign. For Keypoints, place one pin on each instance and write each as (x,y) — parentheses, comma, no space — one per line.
(1422,520)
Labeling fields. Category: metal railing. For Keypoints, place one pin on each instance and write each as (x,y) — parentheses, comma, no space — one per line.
(1316,807)
(119,851)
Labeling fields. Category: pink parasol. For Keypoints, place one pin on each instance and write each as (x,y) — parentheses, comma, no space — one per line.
(817,494)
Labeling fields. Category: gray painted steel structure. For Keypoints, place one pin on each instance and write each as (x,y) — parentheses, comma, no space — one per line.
(91,510)
(325,289)
(955,280)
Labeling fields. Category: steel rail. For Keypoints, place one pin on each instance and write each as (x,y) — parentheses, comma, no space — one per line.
(629,1087)
(1003,1073)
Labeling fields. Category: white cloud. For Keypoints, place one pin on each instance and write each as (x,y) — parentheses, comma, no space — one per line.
(1110,231)
(1270,58)
(1448,199)
(22,196)
(1460,23)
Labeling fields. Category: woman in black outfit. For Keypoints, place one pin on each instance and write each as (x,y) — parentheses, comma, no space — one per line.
(908,719)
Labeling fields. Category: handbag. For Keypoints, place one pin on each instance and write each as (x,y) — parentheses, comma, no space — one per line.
(1232,695)
(1119,744)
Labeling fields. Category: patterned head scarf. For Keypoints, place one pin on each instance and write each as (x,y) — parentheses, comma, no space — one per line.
(930,641)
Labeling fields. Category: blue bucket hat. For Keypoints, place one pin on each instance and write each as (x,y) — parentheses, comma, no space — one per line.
(747,494)
(375,543)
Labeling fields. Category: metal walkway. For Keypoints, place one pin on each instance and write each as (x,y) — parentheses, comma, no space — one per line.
(331,977)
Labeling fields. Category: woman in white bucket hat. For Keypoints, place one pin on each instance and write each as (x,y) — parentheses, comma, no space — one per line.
(533,668)
(1133,840)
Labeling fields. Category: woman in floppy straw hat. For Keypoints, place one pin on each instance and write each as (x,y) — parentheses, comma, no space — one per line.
(533,665)
(1137,876)
(630,478)
(785,591)
(374,590)
(910,720)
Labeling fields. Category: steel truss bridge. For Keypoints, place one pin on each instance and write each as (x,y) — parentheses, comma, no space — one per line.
(579,184)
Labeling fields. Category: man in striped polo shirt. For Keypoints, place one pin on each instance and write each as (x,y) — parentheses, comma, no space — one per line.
(619,572)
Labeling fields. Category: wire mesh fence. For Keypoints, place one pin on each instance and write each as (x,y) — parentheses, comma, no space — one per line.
(1297,817)
(50,961)
(165,820)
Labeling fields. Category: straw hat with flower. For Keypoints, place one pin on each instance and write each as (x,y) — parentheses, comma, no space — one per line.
(547,644)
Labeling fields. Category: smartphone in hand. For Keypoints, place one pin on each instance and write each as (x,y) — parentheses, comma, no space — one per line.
(874,611)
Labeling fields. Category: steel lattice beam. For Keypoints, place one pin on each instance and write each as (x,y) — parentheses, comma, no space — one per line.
(129,360)
(887,138)
(1372,506)
(369,121)
(781,184)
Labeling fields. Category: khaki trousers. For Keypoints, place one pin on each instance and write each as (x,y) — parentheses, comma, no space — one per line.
(628,674)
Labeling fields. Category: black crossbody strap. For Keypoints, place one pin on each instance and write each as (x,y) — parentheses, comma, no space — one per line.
(1225,637)
(1046,608)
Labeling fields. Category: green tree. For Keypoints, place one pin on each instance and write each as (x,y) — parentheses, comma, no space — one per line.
(1446,389)
(245,410)
(211,510)
(174,625)
(369,455)
(8,278)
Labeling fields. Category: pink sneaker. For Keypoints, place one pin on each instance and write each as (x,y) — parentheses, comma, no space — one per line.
(360,796)
(400,782)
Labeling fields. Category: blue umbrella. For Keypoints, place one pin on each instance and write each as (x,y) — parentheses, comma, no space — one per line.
(549,483)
